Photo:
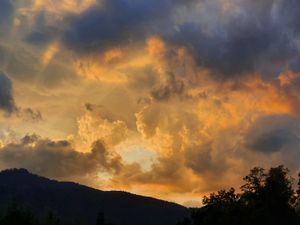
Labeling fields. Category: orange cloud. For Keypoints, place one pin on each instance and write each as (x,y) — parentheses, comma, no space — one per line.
(75,6)
(50,53)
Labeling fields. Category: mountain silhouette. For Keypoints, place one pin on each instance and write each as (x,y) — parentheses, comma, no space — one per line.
(75,203)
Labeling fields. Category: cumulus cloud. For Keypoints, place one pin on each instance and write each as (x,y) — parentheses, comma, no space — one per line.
(57,159)
(192,82)
(200,133)
(94,126)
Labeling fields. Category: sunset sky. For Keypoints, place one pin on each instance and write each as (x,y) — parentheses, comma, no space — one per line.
(165,98)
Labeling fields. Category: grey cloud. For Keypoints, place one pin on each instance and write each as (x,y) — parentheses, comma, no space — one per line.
(201,160)
(30,139)
(273,134)
(43,32)
(6,13)
(290,12)
(25,65)
(18,63)
(250,37)
(165,171)
(258,37)
(272,141)
(118,22)
(248,40)
(8,105)
(57,158)
(7,102)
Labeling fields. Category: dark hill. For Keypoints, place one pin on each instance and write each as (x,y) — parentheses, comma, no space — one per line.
(81,204)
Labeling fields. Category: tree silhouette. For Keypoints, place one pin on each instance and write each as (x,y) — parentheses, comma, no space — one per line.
(278,195)
(17,216)
(265,199)
(296,200)
(100,219)
(185,221)
(219,208)
(51,219)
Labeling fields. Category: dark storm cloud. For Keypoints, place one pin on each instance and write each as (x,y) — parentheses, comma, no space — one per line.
(43,32)
(273,134)
(253,38)
(118,22)
(257,37)
(6,12)
(271,141)
(57,158)
(18,63)
(6,8)
(247,37)
(240,53)
(7,102)
(290,11)
(8,105)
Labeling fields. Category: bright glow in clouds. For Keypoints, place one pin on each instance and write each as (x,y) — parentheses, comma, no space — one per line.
(75,6)
(172,99)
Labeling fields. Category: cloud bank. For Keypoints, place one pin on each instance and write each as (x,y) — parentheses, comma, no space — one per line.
(179,92)
(7,102)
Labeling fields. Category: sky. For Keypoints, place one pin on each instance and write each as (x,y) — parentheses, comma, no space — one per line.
(166,98)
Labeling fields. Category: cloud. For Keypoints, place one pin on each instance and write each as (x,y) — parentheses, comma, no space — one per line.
(8,105)
(263,41)
(289,10)
(178,74)
(36,66)
(92,127)
(57,159)
(172,86)
(192,82)
(271,134)
(7,102)
(250,38)
(185,155)
(6,13)
(115,23)
(30,114)
(199,132)
(63,6)
(201,160)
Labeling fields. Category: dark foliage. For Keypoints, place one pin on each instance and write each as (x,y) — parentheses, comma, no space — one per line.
(266,198)
(17,216)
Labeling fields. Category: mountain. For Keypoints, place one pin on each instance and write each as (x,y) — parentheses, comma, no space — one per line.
(79,204)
